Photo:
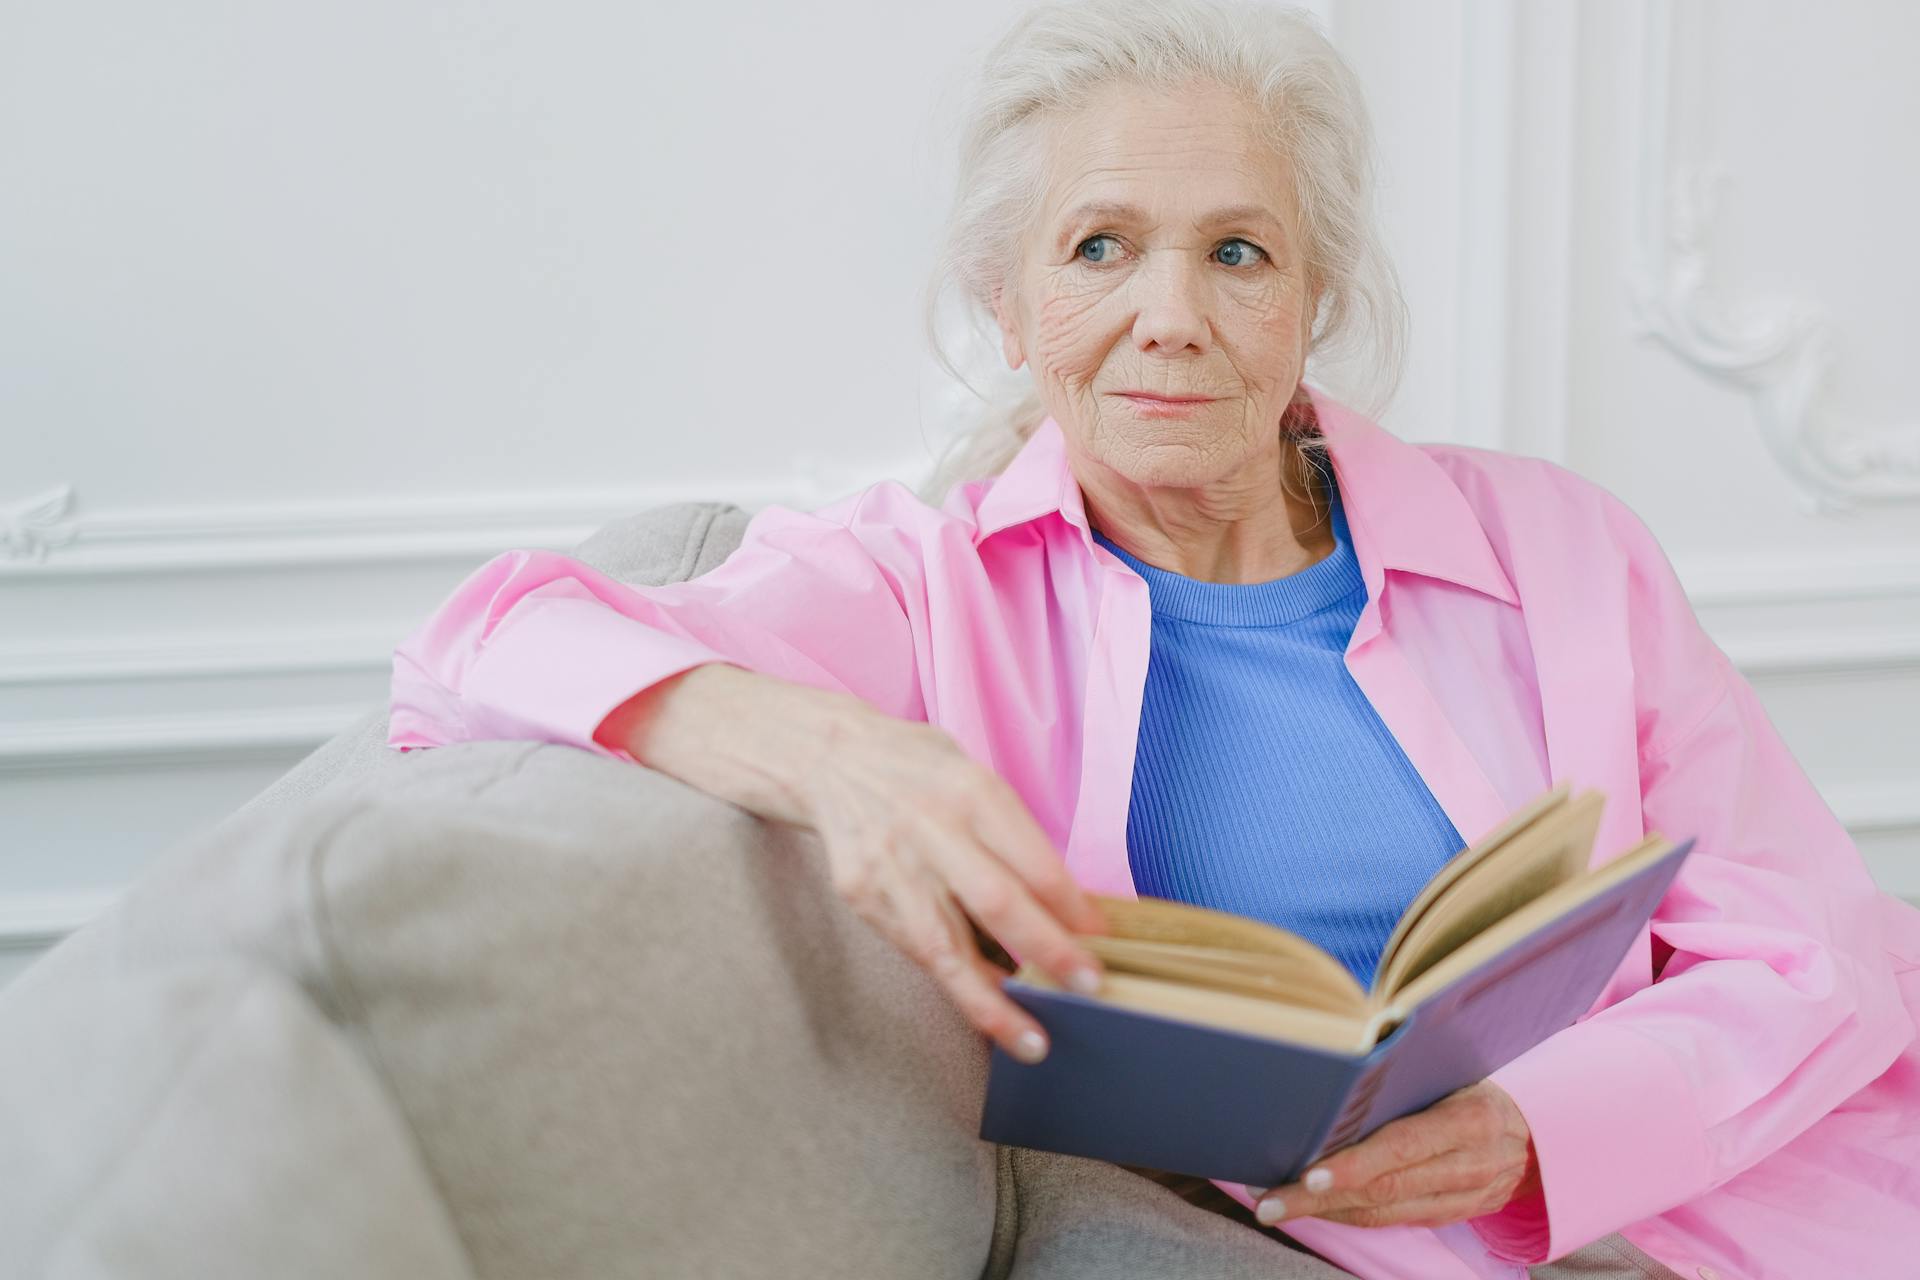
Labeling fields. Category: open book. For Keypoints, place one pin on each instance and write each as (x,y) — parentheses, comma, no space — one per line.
(1228,1048)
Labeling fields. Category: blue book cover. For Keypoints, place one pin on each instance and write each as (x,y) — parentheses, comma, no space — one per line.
(1142,1087)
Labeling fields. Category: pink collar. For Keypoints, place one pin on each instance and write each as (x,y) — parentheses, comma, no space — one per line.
(1402,507)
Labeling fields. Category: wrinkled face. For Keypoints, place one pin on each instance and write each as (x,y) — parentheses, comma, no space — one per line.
(1164,260)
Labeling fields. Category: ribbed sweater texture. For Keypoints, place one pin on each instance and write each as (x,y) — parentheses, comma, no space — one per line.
(1264,782)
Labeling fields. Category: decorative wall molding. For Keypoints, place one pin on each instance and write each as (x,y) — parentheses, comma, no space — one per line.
(33,922)
(1778,351)
(1826,651)
(33,526)
(209,736)
(193,538)
(1819,578)
(210,655)
(1486,188)
(1866,611)
(41,544)
(1874,806)
(1541,126)
(214,656)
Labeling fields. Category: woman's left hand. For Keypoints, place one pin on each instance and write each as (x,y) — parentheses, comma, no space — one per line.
(1466,1155)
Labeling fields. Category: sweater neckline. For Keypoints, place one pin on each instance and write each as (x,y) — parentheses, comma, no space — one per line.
(1276,603)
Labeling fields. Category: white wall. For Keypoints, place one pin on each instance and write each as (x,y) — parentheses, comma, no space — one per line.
(1734,370)
(305,310)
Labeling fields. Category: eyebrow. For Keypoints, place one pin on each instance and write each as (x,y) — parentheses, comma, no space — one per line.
(1110,210)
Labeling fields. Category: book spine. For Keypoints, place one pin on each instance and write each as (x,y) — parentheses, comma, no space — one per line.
(1353,1113)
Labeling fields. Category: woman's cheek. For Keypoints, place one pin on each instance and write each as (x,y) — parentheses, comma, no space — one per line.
(1267,335)
(1068,338)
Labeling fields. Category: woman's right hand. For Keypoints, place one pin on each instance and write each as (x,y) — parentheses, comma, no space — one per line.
(920,837)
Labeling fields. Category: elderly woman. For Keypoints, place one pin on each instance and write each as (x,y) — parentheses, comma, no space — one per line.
(1184,625)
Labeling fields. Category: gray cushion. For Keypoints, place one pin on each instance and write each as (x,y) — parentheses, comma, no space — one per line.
(630,1028)
(199,1121)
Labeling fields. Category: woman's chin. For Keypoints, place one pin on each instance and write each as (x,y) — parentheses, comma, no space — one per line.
(1172,464)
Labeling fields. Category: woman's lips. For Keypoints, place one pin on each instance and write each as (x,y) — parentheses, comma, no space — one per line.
(1150,405)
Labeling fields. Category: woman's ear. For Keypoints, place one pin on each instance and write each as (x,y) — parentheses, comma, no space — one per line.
(1010,345)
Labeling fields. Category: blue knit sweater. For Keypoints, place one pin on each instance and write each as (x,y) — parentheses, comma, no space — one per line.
(1264,782)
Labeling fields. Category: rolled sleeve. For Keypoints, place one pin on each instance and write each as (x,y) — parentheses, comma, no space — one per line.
(556,673)
(537,645)
(1624,1144)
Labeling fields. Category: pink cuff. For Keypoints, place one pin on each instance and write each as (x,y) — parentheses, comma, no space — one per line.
(555,674)
(1617,1135)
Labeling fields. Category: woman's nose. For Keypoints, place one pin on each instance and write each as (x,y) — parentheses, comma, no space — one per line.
(1170,293)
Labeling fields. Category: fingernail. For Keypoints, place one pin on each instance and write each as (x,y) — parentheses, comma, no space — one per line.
(1318,1179)
(1085,981)
(1254,1193)
(1030,1046)
(1270,1211)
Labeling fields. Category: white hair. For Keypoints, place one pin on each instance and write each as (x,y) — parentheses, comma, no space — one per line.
(1049,64)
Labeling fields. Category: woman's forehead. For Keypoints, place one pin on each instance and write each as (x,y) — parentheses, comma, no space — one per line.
(1198,154)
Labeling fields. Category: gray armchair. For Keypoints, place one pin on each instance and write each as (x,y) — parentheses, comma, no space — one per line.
(509,1009)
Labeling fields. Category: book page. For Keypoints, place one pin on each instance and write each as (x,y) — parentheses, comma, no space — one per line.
(1549,851)
(1466,860)
(1532,917)
(1220,949)
(1302,980)
(1253,1015)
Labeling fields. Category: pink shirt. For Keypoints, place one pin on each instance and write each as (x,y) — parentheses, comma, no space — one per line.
(1743,1100)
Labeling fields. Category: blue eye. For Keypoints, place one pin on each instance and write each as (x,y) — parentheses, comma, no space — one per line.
(1242,247)
(1089,241)
(1237,252)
